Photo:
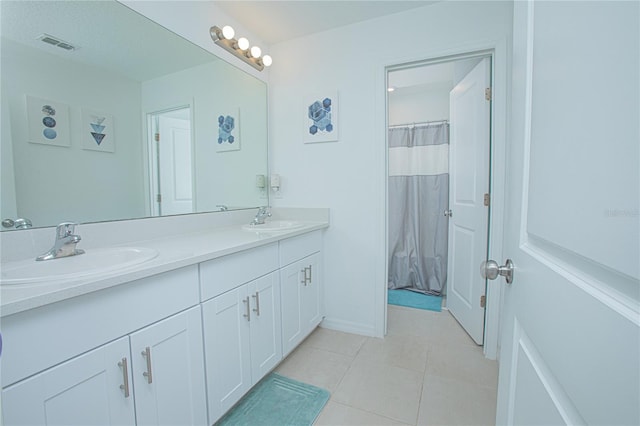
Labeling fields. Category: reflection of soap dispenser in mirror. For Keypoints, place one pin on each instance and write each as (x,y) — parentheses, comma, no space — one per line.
(261,184)
(275,185)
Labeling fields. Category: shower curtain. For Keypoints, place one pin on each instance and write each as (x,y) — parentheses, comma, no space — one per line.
(418,197)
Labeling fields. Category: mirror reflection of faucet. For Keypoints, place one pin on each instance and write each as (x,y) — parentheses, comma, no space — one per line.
(65,243)
(20,223)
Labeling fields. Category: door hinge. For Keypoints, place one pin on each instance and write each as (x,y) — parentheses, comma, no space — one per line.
(159,198)
(483,301)
(487,200)
(487,93)
(156,137)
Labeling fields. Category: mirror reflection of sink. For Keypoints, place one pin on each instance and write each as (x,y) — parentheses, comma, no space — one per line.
(93,262)
(274,225)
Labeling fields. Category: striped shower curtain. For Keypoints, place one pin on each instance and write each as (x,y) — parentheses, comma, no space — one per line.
(418,197)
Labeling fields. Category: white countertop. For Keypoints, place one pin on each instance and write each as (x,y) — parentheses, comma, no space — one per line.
(174,252)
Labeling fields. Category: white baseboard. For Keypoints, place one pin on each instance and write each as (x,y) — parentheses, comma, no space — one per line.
(348,327)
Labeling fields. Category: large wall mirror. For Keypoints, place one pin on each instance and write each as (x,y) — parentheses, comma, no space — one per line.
(106,115)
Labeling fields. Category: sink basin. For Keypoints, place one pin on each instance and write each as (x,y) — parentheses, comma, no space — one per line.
(93,262)
(274,225)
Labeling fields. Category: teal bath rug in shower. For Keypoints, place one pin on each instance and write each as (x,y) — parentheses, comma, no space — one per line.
(414,299)
(277,400)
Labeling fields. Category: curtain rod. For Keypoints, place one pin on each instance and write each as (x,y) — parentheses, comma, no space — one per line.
(423,123)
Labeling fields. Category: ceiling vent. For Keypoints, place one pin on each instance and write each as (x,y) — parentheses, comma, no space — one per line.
(46,38)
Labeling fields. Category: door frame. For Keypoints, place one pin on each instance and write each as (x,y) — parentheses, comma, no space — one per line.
(151,169)
(498,51)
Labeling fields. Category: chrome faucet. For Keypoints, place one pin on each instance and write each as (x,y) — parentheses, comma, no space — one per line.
(20,223)
(263,213)
(65,244)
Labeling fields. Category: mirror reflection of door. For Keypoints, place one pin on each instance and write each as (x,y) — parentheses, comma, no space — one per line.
(172,174)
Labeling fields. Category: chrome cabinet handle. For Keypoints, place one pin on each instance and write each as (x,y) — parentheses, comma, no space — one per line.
(310,280)
(304,276)
(448,213)
(489,269)
(125,377)
(257,308)
(248,314)
(147,354)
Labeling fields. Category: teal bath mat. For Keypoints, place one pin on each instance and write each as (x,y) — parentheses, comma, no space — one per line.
(277,400)
(414,299)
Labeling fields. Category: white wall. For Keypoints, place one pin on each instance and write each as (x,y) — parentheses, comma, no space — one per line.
(63,178)
(348,176)
(420,104)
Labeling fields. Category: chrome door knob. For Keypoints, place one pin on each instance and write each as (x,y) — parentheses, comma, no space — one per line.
(489,269)
(448,213)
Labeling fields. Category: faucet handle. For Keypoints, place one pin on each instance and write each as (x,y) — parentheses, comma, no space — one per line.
(65,229)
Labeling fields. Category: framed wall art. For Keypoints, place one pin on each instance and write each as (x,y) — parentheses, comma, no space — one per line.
(320,117)
(97,131)
(228,131)
(48,122)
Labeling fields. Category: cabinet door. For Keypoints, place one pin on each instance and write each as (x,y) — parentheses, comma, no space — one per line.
(85,390)
(311,295)
(168,371)
(266,332)
(291,285)
(226,339)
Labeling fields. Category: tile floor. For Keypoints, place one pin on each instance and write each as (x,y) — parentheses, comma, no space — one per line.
(426,371)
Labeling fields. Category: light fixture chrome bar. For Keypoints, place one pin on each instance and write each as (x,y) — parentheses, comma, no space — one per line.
(232,46)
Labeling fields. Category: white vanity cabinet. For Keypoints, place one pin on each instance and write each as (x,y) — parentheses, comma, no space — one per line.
(179,347)
(301,288)
(242,332)
(167,367)
(57,368)
(89,389)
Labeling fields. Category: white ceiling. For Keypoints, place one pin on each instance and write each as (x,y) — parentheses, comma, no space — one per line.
(276,21)
(107,35)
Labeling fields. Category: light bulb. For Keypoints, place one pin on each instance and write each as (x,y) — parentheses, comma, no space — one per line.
(243,43)
(256,51)
(267,61)
(228,32)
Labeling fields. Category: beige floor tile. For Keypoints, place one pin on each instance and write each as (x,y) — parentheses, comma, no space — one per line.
(381,381)
(449,331)
(399,351)
(448,401)
(385,390)
(316,367)
(462,362)
(335,414)
(335,341)
(404,321)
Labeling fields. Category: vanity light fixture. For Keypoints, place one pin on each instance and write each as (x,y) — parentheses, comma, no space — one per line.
(241,47)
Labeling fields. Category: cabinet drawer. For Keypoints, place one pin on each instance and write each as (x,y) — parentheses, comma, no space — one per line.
(298,247)
(220,275)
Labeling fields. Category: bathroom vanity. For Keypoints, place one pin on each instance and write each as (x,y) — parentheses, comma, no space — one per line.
(177,339)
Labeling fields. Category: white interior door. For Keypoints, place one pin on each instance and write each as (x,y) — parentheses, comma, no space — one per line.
(469,112)
(570,346)
(175,164)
